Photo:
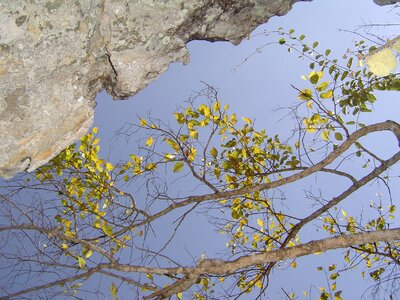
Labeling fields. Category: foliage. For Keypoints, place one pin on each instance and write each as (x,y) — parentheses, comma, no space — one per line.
(93,217)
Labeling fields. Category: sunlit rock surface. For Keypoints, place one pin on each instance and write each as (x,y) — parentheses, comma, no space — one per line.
(56,55)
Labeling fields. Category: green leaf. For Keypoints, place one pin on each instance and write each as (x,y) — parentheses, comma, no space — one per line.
(334,276)
(332,267)
(178,167)
(338,136)
(314,78)
(327,52)
(282,41)
(107,229)
(302,37)
(214,152)
(315,44)
(217,171)
(350,62)
(231,143)
(344,75)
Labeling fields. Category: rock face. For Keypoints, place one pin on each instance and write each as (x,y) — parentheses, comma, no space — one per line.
(386,2)
(56,55)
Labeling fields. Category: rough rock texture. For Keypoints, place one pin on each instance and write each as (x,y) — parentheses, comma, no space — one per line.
(56,55)
(386,2)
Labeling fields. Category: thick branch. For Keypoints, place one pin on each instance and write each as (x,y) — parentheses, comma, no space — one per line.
(221,267)
(383,126)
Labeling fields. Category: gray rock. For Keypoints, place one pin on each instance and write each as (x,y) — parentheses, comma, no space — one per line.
(386,2)
(56,55)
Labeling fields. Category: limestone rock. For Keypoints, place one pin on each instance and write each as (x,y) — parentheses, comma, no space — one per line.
(56,55)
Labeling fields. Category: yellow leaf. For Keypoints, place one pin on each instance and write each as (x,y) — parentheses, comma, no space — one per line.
(204,110)
(327,95)
(325,135)
(149,141)
(247,120)
(216,106)
(260,222)
(322,86)
(293,265)
(309,104)
(180,117)
(169,156)
(109,166)
(233,119)
(114,291)
(259,284)
(81,262)
(149,276)
(172,143)
(305,94)
(194,134)
(140,233)
(272,225)
(382,63)
(256,237)
(94,130)
(192,153)
(143,122)
(150,166)
(89,254)
(179,295)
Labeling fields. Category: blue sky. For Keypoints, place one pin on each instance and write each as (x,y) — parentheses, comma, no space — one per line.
(254,89)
